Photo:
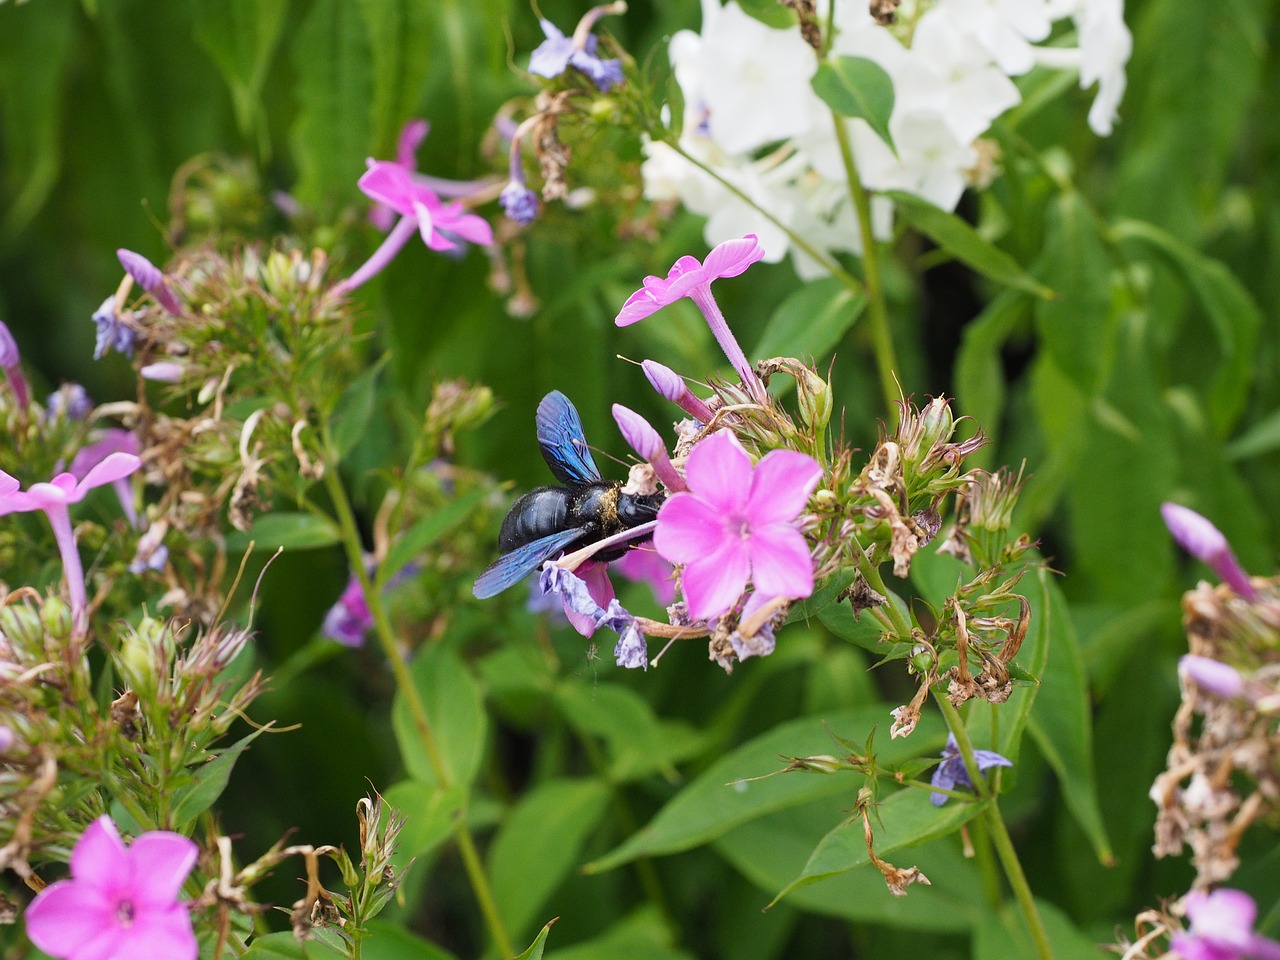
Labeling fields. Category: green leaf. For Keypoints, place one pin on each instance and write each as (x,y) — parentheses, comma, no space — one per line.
(240,37)
(905,819)
(980,386)
(390,941)
(399,33)
(770,13)
(1004,935)
(1078,327)
(210,780)
(539,845)
(638,742)
(332,134)
(857,87)
(454,712)
(355,410)
(427,531)
(1062,721)
(1228,306)
(284,946)
(957,238)
(539,944)
(35,49)
(811,321)
(723,796)
(644,935)
(292,531)
(1262,437)
(430,814)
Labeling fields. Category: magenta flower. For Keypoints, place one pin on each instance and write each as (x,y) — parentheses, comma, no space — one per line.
(349,619)
(689,278)
(420,209)
(121,903)
(644,565)
(1205,542)
(671,385)
(112,440)
(54,498)
(411,136)
(736,524)
(1222,928)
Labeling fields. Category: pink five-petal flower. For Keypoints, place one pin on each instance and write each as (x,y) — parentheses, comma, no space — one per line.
(411,136)
(1222,928)
(120,902)
(54,498)
(689,278)
(736,523)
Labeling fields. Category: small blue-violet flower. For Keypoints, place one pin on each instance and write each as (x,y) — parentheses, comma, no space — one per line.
(557,53)
(70,400)
(952,774)
(113,332)
(1200,538)
(580,596)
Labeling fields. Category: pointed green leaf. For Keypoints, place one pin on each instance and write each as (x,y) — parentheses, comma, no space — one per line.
(811,321)
(539,944)
(210,779)
(240,36)
(292,531)
(857,87)
(455,716)
(427,531)
(957,238)
(770,13)
(355,410)
(390,941)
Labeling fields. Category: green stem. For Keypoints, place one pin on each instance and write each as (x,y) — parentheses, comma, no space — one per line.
(999,833)
(417,709)
(881,335)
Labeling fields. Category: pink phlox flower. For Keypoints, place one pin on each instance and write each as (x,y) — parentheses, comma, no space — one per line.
(121,903)
(112,440)
(1200,538)
(736,524)
(689,278)
(644,565)
(411,136)
(1222,928)
(54,498)
(391,184)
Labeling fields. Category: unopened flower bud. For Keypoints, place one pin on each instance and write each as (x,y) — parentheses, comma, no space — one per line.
(1200,538)
(822,763)
(148,276)
(815,399)
(1212,676)
(56,617)
(143,652)
(647,442)
(672,386)
(21,626)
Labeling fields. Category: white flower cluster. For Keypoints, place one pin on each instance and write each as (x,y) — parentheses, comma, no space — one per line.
(752,117)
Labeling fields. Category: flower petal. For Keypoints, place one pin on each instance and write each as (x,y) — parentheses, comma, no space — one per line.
(8,484)
(113,467)
(388,183)
(161,862)
(1223,914)
(713,583)
(944,777)
(67,915)
(100,859)
(160,935)
(719,471)
(638,306)
(732,257)
(780,562)
(989,758)
(781,486)
(688,528)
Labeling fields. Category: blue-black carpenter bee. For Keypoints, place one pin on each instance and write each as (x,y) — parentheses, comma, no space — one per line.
(551,519)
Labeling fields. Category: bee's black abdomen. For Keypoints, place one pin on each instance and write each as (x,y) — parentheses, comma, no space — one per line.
(539,513)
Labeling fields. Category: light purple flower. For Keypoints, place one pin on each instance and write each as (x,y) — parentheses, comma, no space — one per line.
(518,201)
(1205,542)
(163,371)
(557,53)
(113,332)
(632,649)
(121,903)
(737,524)
(689,278)
(71,401)
(1222,928)
(952,774)
(112,440)
(671,385)
(148,276)
(586,593)
(1212,676)
(11,361)
(54,498)
(420,209)
(647,442)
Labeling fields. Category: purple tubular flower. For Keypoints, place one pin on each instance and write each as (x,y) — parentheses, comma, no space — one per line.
(1212,676)
(113,333)
(1222,928)
(349,619)
(54,498)
(672,386)
(646,441)
(71,401)
(689,278)
(1205,542)
(11,360)
(952,773)
(148,276)
(557,53)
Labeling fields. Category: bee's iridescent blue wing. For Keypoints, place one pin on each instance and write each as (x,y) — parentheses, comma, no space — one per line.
(511,568)
(563,442)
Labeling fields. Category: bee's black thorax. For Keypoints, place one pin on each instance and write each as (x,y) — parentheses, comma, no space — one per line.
(599,509)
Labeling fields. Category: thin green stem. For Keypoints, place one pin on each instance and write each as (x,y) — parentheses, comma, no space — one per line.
(350,534)
(881,334)
(999,833)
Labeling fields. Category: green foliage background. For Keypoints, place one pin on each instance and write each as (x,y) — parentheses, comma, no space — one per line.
(1152,375)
